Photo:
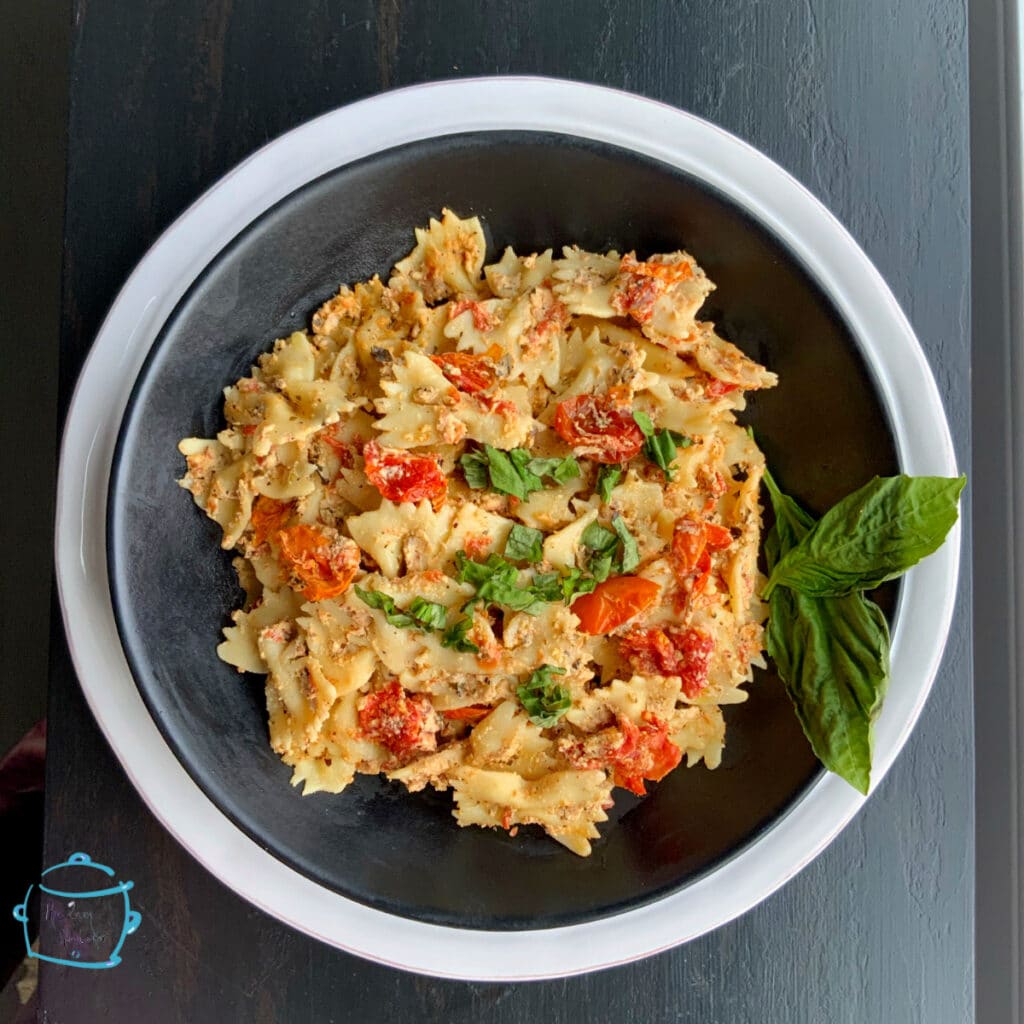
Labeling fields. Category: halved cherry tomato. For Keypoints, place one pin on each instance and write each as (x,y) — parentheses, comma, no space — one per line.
(399,720)
(692,539)
(400,476)
(600,426)
(470,713)
(645,752)
(268,516)
(671,652)
(323,564)
(614,602)
(466,371)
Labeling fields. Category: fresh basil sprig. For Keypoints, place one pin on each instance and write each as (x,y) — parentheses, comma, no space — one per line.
(514,472)
(544,700)
(832,649)
(660,446)
(873,535)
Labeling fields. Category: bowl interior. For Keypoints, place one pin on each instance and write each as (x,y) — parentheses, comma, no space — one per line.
(823,429)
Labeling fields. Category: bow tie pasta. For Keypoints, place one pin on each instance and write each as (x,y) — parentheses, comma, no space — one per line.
(497,529)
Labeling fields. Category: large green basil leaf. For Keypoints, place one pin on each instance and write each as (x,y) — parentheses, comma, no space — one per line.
(873,535)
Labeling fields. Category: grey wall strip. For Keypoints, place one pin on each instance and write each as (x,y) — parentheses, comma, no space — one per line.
(998,500)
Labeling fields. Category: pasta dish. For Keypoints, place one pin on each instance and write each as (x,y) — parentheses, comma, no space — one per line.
(497,530)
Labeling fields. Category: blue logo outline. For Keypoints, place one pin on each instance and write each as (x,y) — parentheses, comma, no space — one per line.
(132,918)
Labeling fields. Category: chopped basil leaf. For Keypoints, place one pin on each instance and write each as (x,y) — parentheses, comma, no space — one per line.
(604,545)
(421,613)
(507,477)
(576,583)
(474,466)
(560,470)
(477,572)
(600,566)
(525,544)
(599,538)
(644,422)
(607,478)
(497,582)
(455,637)
(430,613)
(547,586)
(514,472)
(544,700)
(630,551)
(660,448)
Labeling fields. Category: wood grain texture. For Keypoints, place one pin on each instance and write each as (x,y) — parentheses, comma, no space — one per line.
(866,104)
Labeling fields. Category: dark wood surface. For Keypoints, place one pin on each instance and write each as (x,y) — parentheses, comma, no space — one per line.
(864,103)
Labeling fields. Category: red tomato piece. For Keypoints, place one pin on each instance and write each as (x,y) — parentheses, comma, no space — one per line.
(401,721)
(470,713)
(688,543)
(671,652)
(466,371)
(483,319)
(600,427)
(341,448)
(321,564)
(400,476)
(716,537)
(268,516)
(692,540)
(715,388)
(645,752)
(614,602)
(641,284)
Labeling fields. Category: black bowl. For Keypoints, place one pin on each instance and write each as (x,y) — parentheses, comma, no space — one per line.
(824,431)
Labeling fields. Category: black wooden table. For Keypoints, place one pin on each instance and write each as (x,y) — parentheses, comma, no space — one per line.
(867,105)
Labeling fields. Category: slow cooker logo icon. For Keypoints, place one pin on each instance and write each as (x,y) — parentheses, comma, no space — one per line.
(84,918)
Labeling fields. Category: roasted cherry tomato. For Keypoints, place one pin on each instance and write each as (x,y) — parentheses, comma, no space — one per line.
(688,544)
(321,564)
(466,371)
(641,284)
(692,540)
(671,652)
(716,537)
(645,752)
(614,602)
(400,476)
(600,427)
(268,516)
(470,713)
(401,721)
